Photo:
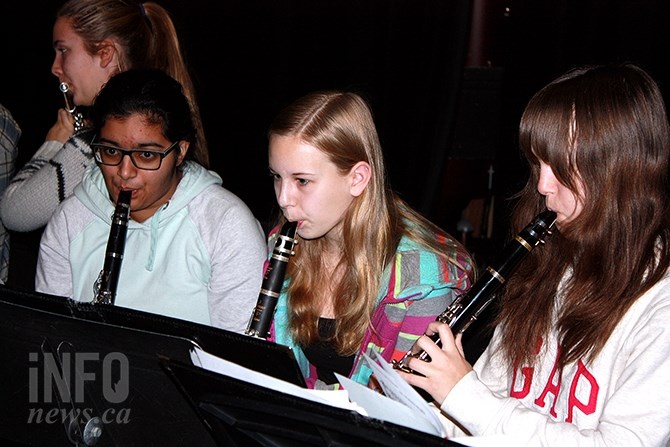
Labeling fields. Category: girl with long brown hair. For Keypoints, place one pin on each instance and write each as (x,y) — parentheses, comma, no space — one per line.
(581,353)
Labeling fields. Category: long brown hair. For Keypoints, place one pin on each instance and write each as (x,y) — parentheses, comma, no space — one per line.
(604,127)
(147,38)
(341,125)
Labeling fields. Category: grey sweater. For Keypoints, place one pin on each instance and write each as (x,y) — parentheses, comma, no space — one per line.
(47,179)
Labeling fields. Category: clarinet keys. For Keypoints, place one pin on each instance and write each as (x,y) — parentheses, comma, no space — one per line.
(105,287)
(273,280)
(466,308)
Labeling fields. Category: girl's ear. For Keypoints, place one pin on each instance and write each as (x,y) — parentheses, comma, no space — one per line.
(183,149)
(360,177)
(108,53)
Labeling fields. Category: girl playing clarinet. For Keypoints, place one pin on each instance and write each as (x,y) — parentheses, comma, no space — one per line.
(368,272)
(581,353)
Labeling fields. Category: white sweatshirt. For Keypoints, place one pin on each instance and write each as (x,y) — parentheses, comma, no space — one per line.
(621,399)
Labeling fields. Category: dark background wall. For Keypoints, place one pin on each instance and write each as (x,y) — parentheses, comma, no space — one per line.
(447,80)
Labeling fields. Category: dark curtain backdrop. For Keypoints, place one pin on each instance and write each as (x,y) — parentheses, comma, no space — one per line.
(547,38)
(446,103)
(253,57)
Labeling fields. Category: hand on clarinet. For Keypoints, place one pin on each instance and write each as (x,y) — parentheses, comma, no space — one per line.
(447,365)
(63,129)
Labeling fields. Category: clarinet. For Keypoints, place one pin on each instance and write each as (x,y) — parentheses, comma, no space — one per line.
(105,286)
(261,318)
(71,108)
(466,308)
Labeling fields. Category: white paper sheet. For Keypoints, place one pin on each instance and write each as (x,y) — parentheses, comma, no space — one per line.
(397,389)
(381,407)
(205,360)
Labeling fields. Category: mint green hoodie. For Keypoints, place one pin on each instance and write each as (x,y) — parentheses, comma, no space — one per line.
(199,257)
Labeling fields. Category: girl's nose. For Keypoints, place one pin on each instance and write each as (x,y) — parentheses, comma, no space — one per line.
(126,168)
(282,191)
(546,183)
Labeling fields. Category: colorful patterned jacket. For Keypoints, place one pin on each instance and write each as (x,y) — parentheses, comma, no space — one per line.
(418,287)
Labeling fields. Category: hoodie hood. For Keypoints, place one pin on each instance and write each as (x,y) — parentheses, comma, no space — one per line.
(93,193)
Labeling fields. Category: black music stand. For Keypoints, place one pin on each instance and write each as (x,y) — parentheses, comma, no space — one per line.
(50,399)
(242,414)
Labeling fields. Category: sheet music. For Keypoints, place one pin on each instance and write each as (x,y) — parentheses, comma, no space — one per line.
(381,407)
(335,398)
(397,389)
(354,396)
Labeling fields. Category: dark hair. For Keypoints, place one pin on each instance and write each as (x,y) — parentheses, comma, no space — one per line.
(152,94)
(604,129)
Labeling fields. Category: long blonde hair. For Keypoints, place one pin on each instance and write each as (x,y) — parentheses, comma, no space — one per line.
(341,125)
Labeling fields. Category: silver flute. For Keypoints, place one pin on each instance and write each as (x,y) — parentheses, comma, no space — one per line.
(71,108)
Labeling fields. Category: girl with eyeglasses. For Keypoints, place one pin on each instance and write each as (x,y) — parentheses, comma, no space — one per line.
(193,251)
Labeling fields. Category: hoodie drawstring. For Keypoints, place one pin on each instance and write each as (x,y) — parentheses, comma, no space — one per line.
(155,221)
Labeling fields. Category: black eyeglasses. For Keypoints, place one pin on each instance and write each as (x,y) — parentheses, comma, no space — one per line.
(109,155)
